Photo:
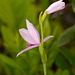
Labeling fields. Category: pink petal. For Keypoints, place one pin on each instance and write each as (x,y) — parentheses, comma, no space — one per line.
(33,32)
(28,44)
(26,36)
(56,6)
(27,49)
(47,38)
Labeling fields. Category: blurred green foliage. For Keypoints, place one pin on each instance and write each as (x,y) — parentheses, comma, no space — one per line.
(73,5)
(60,49)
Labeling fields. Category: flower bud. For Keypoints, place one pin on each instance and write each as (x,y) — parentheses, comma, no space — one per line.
(56,6)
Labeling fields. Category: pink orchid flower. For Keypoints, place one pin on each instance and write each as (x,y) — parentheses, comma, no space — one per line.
(31,36)
(56,6)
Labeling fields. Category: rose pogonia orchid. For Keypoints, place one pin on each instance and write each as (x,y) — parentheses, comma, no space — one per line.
(31,36)
(56,6)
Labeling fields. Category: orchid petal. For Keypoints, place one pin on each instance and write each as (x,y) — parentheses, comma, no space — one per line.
(28,44)
(56,6)
(27,49)
(26,36)
(33,32)
(47,38)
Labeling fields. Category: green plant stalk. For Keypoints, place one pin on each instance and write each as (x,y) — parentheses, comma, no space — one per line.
(41,35)
(44,16)
(44,66)
(42,52)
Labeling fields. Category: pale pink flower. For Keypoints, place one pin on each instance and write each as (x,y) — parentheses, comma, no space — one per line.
(56,6)
(31,36)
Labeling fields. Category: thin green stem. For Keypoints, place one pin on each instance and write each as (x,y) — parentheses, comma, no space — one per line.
(44,16)
(41,35)
(42,52)
(44,66)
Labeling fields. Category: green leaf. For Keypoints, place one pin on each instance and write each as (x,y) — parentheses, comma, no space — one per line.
(67,36)
(65,72)
(50,72)
(19,72)
(32,53)
(7,70)
(53,53)
(57,30)
(44,4)
(58,72)
(6,13)
(26,12)
(46,28)
(61,62)
(7,35)
(68,56)
(9,61)
(73,5)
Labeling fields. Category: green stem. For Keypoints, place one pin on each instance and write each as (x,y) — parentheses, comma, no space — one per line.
(42,35)
(44,16)
(41,19)
(44,66)
(42,52)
